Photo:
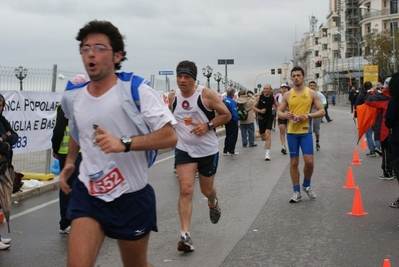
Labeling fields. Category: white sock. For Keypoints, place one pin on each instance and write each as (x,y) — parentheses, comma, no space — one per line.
(267,153)
(183,233)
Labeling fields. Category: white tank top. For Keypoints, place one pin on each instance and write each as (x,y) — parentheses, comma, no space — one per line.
(192,110)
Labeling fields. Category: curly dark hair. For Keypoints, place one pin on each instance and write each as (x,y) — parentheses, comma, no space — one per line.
(108,29)
(394,86)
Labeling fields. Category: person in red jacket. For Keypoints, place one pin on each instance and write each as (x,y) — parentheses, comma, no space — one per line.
(378,98)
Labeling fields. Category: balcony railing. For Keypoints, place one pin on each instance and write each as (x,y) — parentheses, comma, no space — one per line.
(377,13)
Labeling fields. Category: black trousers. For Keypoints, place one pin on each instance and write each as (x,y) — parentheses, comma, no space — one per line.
(231,137)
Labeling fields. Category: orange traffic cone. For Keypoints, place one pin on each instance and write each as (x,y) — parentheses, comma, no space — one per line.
(356,160)
(350,182)
(386,263)
(363,144)
(357,207)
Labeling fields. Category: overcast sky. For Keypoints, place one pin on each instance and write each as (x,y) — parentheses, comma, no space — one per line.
(257,34)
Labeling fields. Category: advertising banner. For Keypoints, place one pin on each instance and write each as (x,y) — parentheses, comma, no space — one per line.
(32,115)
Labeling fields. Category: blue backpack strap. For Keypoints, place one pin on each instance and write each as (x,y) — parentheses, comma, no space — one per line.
(136,82)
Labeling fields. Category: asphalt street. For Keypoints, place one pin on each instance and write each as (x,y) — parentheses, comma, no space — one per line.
(258,227)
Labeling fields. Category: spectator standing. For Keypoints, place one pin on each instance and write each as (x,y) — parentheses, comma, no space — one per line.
(231,126)
(378,97)
(326,109)
(8,137)
(372,143)
(353,94)
(247,126)
(392,123)
(111,196)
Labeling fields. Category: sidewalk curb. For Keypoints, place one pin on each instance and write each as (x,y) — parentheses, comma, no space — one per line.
(54,184)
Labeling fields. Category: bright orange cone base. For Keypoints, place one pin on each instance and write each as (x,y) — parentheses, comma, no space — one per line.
(363,144)
(356,160)
(357,208)
(386,263)
(350,182)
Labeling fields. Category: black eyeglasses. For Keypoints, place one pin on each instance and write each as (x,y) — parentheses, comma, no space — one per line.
(96,49)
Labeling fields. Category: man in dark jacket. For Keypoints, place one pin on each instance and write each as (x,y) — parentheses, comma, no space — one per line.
(352,98)
(231,126)
(392,123)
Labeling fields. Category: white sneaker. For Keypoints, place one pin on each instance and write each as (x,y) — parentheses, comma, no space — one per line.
(296,197)
(231,154)
(3,246)
(65,231)
(6,240)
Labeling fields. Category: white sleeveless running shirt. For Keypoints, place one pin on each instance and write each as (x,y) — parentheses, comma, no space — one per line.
(187,112)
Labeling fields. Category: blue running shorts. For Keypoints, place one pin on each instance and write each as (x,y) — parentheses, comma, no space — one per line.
(303,141)
(129,217)
(207,166)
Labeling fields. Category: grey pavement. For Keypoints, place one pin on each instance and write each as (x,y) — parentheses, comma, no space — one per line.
(259,227)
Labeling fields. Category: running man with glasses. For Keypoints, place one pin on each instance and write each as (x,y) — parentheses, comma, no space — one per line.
(111,196)
(300,100)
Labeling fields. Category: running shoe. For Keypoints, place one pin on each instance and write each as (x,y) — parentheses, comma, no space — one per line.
(267,158)
(371,154)
(185,244)
(383,177)
(378,151)
(5,240)
(284,150)
(296,197)
(231,154)
(4,246)
(317,146)
(309,191)
(215,212)
(65,231)
(395,203)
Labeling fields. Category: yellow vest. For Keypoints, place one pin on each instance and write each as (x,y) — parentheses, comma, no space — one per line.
(65,142)
(299,104)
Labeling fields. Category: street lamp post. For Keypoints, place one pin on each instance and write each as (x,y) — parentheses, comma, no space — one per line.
(218,76)
(393,34)
(358,54)
(207,71)
(20,73)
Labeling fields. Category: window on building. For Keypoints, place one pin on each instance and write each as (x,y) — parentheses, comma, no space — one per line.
(316,53)
(318,64)
(317,75)
(394,26)
(394,6)
(325,47)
